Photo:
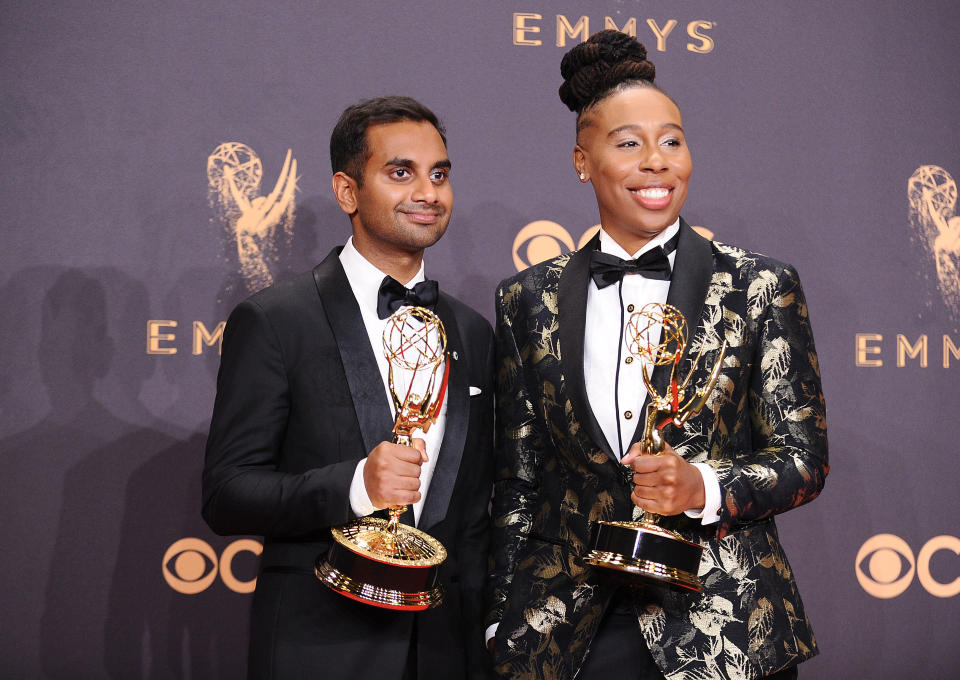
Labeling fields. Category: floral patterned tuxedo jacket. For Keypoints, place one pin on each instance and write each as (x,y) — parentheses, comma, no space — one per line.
(763,430)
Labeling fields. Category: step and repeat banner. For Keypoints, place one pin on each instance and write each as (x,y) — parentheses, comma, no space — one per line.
(161,161)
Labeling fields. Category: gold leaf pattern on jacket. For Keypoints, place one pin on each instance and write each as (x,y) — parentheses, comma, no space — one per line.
(762,430)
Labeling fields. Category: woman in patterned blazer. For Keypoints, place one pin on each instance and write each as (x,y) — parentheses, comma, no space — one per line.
(569,395)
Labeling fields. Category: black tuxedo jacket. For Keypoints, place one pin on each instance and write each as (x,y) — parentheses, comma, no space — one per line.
(300,401)
(762,430)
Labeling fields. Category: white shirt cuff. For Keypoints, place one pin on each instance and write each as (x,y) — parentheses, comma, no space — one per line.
(710,513)
(491,631)
(359,500)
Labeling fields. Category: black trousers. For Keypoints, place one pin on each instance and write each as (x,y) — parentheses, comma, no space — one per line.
(410,670)
(619,651)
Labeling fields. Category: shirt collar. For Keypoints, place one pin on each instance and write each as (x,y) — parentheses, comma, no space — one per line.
(611,247)
(365,278)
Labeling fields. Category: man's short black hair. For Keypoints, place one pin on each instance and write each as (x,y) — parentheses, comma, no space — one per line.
(348,142)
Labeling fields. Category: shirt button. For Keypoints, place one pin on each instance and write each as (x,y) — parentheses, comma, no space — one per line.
(630,308)
(628,360)
(628,414)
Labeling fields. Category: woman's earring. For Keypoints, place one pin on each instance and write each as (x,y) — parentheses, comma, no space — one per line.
(582,177)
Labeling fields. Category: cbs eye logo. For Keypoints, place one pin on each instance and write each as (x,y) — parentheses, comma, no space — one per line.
(885,566)
(542,240)
(190,565)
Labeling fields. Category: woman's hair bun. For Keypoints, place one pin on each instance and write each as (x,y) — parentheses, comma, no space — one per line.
(593,68)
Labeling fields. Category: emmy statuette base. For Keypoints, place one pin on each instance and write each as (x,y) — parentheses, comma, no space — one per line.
(646,551)
(388,568)
(385,598)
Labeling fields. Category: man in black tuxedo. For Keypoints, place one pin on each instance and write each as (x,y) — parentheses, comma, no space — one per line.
(301,429)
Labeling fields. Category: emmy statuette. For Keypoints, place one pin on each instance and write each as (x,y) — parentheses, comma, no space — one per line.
(641,547)
(383,562)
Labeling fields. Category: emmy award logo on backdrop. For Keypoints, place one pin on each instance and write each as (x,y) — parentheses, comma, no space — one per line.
(935,228)
(932,193)
(259,225)
(383,562)
(657,335)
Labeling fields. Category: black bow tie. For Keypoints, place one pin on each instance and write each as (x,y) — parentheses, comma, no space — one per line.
(393,295)
(608,269)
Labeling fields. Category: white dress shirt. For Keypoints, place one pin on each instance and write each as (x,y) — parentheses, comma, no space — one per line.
(618,399)
(365,280)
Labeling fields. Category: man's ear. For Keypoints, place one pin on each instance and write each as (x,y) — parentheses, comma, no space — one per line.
(345,190)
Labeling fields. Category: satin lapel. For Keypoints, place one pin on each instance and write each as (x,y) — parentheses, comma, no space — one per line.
(692,272)
(455,429)
(359,363)
(572,313)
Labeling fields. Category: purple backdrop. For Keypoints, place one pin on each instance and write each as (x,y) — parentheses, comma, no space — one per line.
(145,185)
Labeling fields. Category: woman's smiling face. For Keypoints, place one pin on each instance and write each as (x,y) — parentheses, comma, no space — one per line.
(632,149)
